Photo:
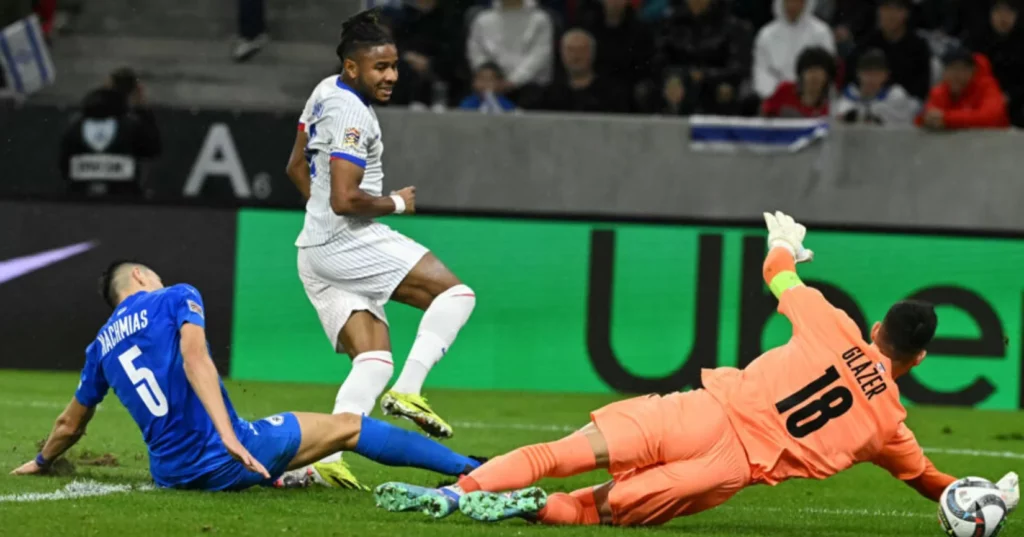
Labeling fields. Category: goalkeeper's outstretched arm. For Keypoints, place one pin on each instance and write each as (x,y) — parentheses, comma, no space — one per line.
(931,482)
(780,271)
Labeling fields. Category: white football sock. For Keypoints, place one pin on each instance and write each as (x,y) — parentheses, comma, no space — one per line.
(370,373)
(438,328)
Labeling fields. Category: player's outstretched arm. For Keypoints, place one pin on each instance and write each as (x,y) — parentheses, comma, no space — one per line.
(298,168)
(779,271)
(348,199)
(931,482)
(205,381)
(67,430)
(786,249)
(903,457)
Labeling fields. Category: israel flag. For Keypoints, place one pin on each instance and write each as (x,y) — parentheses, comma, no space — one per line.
(24,57)
(757,135)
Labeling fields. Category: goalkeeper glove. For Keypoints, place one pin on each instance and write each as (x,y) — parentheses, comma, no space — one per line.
(1009,488)
(785,232)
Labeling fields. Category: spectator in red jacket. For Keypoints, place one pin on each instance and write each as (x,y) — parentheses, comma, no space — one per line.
(809,95)
(968,97)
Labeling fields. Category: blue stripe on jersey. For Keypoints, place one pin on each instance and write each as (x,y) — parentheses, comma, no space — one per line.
(346,87)
(345,156)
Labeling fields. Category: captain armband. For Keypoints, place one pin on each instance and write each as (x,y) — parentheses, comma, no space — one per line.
(782,281)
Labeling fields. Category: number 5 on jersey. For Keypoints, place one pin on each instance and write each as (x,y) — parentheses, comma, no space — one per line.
(149,390)
(815,414)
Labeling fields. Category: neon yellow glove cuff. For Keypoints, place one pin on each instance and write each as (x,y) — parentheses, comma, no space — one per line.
(783,281)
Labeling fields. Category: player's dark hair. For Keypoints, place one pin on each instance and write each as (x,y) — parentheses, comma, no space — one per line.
(363,30)
(909,327)
(107,286)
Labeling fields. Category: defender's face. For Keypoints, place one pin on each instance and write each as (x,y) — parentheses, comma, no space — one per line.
(378,72)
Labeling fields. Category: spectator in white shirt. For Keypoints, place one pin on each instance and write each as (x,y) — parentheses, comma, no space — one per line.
(517,35)
(778,44)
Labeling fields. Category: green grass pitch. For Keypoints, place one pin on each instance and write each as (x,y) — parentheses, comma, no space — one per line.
(860,502)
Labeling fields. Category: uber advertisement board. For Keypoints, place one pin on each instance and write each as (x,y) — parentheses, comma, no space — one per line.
(614,307)
(52,256)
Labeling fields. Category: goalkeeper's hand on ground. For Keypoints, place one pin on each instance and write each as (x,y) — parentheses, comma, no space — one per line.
(785,232)
(1009,488)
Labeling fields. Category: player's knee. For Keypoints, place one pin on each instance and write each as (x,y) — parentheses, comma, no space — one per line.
(346,430)
(462,293)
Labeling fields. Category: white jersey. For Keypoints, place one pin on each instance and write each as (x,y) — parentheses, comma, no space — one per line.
(340,125)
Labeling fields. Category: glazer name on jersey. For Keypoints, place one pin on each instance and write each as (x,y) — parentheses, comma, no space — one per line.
(866,371)
(122,328)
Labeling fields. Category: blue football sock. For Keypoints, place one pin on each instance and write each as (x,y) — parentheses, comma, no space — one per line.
(387,444)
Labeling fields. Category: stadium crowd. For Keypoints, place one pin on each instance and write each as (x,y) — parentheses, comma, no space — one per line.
(937,63)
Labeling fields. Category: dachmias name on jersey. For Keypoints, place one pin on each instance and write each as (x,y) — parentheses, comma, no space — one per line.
(121,328)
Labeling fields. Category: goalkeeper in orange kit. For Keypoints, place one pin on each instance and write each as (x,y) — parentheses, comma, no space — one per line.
(821,403)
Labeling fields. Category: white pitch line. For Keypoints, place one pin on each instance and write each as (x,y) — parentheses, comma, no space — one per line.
(832,512)
(975,453)
(74,490)
(517,426)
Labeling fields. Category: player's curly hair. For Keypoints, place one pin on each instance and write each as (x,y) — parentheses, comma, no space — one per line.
(363,29)
(108,288)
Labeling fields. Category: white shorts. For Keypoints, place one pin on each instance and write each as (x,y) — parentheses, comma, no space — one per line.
(357,271)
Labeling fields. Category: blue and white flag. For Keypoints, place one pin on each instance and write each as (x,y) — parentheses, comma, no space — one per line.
(758,135)
(25,58)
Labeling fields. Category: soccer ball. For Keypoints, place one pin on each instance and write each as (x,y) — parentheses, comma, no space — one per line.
(972,507)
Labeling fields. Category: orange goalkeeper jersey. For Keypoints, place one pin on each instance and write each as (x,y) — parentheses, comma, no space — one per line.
(822,402)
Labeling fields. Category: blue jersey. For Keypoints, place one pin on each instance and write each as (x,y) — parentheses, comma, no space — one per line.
(137,353)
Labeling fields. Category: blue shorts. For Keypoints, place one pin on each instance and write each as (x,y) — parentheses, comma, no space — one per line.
(274,441)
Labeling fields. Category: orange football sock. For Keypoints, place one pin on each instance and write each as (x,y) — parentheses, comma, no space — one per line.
(576,509)
(525,466)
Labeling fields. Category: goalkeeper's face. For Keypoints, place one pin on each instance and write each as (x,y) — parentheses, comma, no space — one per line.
(375,70)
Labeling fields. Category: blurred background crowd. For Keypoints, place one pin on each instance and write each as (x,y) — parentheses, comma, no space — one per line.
(936,63)
(931,64)
(869,61)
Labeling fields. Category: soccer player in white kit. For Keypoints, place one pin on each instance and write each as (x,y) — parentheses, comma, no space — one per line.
(352,265)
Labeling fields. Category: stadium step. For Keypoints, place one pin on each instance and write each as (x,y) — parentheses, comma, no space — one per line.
(193,73)
(295,20)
